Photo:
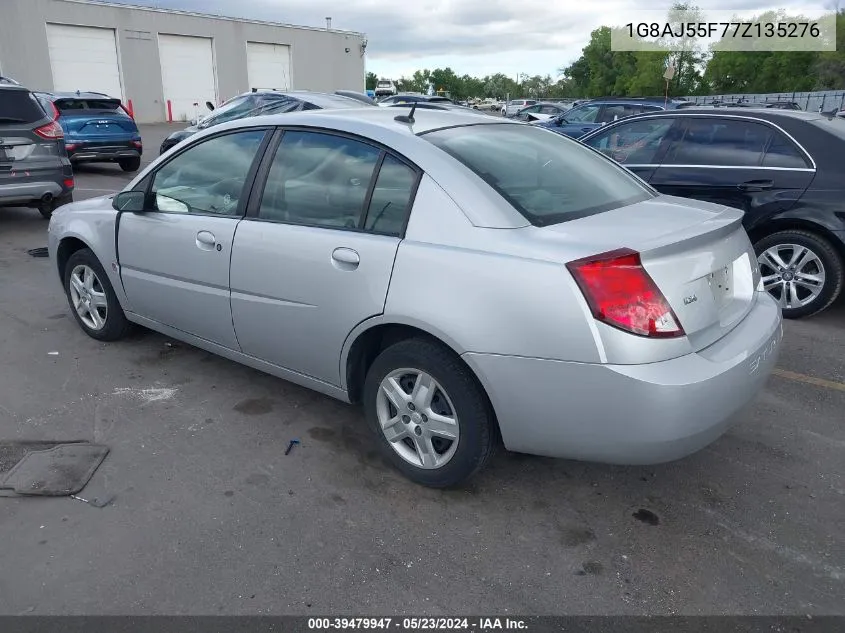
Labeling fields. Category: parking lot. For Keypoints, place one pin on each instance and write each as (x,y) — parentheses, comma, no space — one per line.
(209,516)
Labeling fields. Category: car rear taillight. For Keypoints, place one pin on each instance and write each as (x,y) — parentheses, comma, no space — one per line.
(68,183)
(621,293)
(55,111)
(137,144)
(52,131)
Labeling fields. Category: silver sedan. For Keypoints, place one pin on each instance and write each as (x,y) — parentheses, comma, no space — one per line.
(471,281)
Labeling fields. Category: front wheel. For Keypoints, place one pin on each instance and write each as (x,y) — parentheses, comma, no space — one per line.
(429,413)
(800,270)
(92,299)
(129,164)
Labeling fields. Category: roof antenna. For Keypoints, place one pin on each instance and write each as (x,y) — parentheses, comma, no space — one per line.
(409,118)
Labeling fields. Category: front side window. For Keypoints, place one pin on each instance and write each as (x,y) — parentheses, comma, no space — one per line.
(319,180)
(720,142)
(209,177)
(582,114)
(634,143)
(547,177)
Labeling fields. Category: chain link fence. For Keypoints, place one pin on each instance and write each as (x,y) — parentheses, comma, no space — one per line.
(820,101)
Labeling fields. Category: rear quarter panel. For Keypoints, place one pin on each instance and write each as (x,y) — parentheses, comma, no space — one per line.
(477,290)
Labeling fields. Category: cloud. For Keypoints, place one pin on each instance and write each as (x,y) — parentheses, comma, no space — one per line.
(531,36)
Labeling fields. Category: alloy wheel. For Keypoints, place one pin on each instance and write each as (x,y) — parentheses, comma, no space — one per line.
(418,418)
(88,297)
(793,274)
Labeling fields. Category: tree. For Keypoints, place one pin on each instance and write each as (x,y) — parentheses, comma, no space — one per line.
(372,80)
(829,66)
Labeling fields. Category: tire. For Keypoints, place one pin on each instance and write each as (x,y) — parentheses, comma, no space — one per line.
(456,390)
(823,261)
(129,164)
(114,323)
(46,209)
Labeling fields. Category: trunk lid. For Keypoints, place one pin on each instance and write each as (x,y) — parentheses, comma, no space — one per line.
(697,253)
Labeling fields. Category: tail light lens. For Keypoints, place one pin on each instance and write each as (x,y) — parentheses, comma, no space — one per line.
(68,183)
(621,293)
(137,144)
(52,131)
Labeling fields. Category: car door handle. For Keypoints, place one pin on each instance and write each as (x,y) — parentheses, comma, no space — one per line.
(345,258)
(206,240)
(755,185)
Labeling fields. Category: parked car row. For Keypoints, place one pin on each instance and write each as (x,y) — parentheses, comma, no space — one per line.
(459,275)
(781,167)
(43,134)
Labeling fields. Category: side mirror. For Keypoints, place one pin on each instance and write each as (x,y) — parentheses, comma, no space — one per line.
(132,201)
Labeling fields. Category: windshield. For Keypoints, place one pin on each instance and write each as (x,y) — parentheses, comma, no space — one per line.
(547,177)
(234,109)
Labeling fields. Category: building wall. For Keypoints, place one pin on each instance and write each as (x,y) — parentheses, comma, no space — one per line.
(319,59)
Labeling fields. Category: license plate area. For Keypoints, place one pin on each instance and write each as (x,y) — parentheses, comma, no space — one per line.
(721,283)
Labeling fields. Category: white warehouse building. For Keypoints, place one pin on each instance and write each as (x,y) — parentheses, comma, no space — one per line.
(168,63)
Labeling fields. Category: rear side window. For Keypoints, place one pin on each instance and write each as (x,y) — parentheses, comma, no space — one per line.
(547,177)
(783,153)
(19,106)
(390,204)
(720,142)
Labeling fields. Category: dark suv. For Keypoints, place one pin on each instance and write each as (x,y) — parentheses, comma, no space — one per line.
(34,168)
(593,114)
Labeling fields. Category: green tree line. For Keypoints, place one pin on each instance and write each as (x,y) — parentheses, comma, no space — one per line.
(600,71)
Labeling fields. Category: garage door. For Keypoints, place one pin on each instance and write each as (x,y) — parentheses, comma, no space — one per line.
(187,72)
(268,65)
(84,58)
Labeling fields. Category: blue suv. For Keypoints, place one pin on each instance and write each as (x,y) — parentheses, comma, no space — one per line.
(592,114)
(97,128)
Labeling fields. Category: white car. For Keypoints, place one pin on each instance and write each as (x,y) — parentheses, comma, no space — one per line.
(516,105)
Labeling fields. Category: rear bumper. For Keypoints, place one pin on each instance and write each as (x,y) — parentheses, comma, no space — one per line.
(29,192)
(96,153)
(631,414)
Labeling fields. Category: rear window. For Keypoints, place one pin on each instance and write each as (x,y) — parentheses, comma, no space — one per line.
(333,102)
(834,125)
(75,105)
(19,106)
(547,177)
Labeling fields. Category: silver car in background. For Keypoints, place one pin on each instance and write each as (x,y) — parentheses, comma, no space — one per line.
(470,280)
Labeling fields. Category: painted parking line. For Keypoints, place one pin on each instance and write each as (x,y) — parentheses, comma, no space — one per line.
(809,380)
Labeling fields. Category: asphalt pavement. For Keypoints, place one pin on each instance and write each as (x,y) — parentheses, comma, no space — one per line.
(209,516)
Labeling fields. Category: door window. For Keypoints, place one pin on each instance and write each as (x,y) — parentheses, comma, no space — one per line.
(583,114)
(722,142)
(319,180)
(617,111)
(783,153)
(209,177)
(634,143)
(392,196)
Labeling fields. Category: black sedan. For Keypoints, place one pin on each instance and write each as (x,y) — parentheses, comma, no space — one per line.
(782,167)
(261,102)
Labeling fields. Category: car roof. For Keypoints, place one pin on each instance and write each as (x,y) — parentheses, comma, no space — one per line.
(76,95)
(5,86)
(425,120)
(762,113)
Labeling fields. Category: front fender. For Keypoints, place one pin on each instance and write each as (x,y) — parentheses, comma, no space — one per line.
(95,229)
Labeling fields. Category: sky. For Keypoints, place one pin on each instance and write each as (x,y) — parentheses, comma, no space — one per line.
(475,37)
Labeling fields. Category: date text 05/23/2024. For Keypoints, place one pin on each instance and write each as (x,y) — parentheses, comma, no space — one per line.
(471,625)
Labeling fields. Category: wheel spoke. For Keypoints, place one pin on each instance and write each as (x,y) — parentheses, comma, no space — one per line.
(395,430)
(767,258)
(394,392)
(770,281)
(442,426)
(89,279)
(794,301)
(799,252)
(423,391)
(99,300)
(96,319)
(782,298)
(77,283)
(425,450)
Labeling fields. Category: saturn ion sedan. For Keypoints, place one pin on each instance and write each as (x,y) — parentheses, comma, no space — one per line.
(471,281)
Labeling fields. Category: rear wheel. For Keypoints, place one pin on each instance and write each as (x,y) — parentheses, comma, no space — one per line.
(800,270)
(46,208)
(92,299)
(430,415)
(129,164)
